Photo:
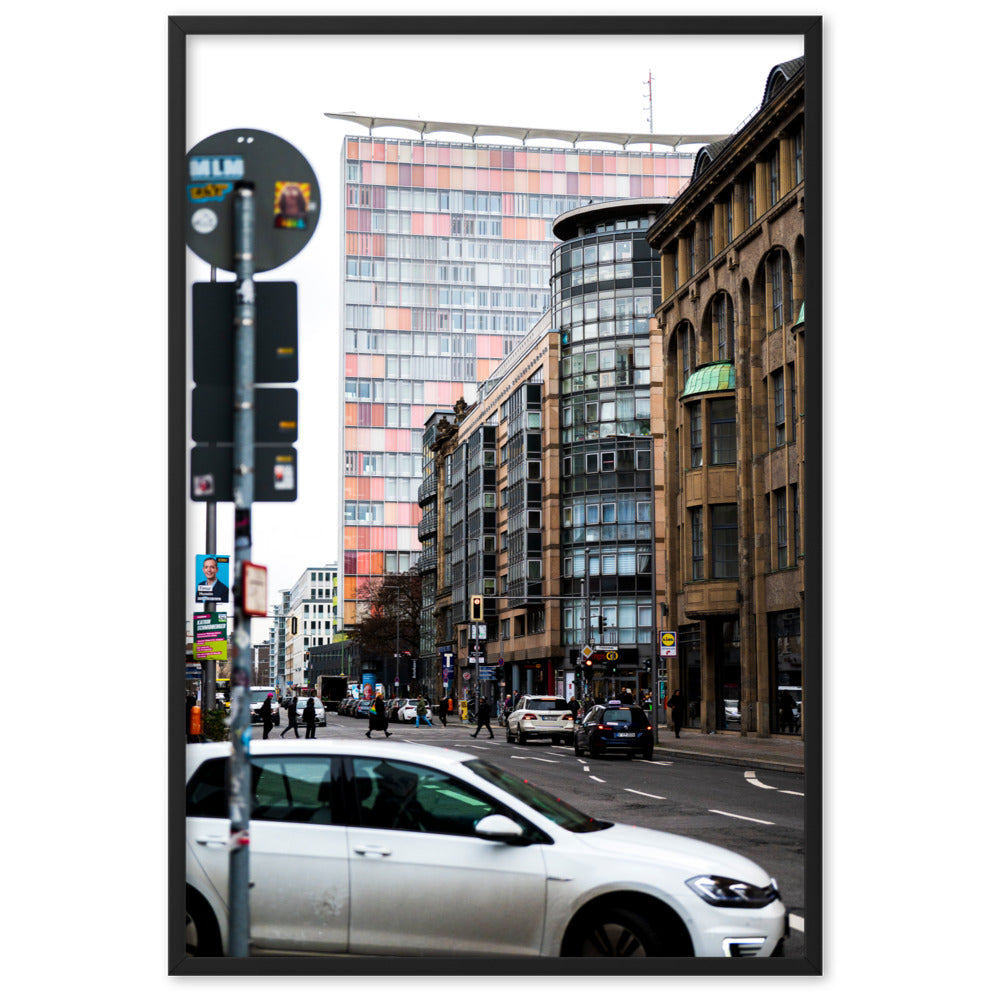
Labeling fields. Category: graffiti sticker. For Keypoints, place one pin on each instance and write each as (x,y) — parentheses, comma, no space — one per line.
(291,203)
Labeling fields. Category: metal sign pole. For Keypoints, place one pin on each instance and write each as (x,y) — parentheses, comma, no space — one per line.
(244,321)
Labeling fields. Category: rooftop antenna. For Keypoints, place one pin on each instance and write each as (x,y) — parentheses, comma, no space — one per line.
(648,94)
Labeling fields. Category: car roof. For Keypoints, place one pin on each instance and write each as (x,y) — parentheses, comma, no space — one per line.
(197,753)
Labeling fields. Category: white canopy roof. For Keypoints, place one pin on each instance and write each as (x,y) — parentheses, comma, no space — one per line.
(522,134)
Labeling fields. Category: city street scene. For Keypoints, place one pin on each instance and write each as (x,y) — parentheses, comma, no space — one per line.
(494,567)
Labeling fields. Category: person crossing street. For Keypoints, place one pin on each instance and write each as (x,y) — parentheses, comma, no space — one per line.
(483,717)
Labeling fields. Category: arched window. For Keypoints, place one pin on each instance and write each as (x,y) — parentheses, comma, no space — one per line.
(779,281)
(722,324)
(686,353)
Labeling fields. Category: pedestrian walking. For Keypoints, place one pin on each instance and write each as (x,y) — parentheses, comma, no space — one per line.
(309,719)
(443,711)
(378,721)
(293,719)
(483,717)
(574,707)
(676,706)
(265,717)
(422,715)
(786,713)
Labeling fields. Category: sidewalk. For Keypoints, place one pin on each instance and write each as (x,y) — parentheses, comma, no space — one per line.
(777,753)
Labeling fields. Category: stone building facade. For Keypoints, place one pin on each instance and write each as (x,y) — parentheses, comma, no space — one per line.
(732,322)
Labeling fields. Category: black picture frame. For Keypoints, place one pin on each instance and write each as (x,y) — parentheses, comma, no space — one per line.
(179,30)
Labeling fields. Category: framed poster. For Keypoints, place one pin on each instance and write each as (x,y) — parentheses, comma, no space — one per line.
(665,241)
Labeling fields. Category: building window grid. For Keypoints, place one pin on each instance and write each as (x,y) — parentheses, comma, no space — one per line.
(779,407)
(697,545)
(781,527)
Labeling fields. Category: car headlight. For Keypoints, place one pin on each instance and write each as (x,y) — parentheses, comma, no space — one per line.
(721,891)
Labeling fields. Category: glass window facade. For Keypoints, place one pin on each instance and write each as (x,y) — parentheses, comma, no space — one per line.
(446,268)
(605,286)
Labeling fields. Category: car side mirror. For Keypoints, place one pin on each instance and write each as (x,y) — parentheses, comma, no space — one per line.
(500,828)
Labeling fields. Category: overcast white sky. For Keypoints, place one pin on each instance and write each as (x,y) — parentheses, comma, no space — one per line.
(284,86)
(909,561)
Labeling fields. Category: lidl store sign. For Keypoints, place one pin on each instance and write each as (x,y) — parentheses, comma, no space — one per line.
(668,644)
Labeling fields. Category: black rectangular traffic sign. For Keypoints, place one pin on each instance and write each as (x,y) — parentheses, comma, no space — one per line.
(276,415)
(277,332)
(275,473)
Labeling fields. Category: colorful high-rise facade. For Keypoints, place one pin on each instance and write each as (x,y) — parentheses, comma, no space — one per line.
(446,267)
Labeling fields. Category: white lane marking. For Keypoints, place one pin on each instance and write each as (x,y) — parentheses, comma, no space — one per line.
(752,779)
(749,819)
(594,777)
(796,922)
(658,763)
(649,795)
(544,760)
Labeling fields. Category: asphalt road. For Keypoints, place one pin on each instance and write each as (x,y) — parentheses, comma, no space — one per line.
(757,813)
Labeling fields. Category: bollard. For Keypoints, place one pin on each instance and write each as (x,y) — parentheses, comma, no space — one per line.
(195,720)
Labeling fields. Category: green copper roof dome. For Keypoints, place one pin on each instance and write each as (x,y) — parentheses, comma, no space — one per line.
(719,376)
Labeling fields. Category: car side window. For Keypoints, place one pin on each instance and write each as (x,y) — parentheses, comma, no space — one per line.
(592,716)
(393,795)
(296,790)
(206,791)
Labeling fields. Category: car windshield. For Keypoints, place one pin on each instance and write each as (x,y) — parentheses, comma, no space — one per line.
(547,704)
(559,812)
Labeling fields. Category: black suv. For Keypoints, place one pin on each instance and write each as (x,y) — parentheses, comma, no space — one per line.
(615,728)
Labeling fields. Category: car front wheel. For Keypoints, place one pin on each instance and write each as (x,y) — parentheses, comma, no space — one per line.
(615,932)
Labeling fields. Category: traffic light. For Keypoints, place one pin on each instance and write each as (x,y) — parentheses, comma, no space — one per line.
(476,608)
(295,626)
(602,624)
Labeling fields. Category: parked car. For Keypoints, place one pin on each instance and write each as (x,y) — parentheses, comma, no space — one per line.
(615,728)
(301,703)
(538,716)
(361,708)
(338,828)
(347,706)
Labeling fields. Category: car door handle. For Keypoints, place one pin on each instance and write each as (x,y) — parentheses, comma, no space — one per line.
(213,841)
(381,851)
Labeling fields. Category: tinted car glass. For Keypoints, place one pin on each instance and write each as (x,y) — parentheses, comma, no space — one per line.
(395,795)
(556,810)
(283,789)
(618,715)
(547,705)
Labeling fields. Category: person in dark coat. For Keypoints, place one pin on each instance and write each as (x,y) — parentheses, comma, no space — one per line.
(377,720)
(676,706)
(309,718)
(443,710)
(265,716)
(483,717)
(574,707)
(293,719)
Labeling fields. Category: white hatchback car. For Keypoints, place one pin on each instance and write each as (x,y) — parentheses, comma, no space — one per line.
(337,829)
(541,717)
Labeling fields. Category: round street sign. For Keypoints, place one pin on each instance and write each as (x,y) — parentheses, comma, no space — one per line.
(286,197)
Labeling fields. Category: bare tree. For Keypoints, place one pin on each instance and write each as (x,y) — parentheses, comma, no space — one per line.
(391,599)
